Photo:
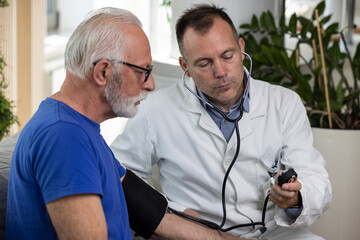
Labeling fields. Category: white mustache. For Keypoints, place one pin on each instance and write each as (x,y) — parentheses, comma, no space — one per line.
(142,96)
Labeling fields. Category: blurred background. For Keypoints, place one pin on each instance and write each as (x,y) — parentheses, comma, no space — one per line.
(34,34)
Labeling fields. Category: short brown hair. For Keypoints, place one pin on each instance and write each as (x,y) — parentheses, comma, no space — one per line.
(201,19)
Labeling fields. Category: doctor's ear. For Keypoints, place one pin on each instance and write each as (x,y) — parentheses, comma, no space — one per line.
(183,65)
(242,47)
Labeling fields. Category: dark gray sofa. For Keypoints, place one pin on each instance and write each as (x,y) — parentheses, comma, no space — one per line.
(6,150)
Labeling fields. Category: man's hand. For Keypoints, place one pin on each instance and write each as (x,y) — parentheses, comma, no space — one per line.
(285,196)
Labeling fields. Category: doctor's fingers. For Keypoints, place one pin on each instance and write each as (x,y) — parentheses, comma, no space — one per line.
(283,202)
(294,186)
(278,192)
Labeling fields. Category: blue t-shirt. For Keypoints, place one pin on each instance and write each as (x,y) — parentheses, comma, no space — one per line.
(59,153)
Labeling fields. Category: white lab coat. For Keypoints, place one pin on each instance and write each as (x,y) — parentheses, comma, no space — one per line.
(174,131)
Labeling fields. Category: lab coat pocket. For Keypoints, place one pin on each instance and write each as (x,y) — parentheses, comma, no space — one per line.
(265,170)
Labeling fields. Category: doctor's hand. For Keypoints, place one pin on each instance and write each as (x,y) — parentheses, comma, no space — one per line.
(287,195)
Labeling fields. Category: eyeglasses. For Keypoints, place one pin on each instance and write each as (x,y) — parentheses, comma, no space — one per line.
(147,70)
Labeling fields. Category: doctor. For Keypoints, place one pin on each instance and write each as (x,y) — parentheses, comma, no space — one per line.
(193,145)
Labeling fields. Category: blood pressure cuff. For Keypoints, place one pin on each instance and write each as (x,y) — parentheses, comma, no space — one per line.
(146,207)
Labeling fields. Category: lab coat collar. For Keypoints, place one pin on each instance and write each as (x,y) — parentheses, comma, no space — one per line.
(258,99)
(245,96)
(258,106)
(192,104)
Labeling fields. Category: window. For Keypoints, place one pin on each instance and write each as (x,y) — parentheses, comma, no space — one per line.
(300,7)
(345,12)
(65,15)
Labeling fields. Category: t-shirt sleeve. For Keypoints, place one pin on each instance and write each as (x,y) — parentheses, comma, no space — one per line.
(120,167)
(65,162)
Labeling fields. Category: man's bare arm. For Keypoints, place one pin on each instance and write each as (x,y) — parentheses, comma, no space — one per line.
(176,227)
(78,217)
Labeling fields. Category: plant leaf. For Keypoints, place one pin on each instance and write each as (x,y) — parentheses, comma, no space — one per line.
(335,106)
(332,29)
(324,20)
(306,27)
(279,58)
(356,62)
(268,54)
(270,21)
(304,88)
(292,24)
(259,57)
(276,39)
(251,44)
(246,26)
(320,7)
(274,77)
(354,94)
(255,23)
(340,92)
(263,21)
(334,53)
(265,41)
(282,25)
(285,59)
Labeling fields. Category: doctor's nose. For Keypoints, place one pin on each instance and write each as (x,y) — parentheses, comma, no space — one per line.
(218,69)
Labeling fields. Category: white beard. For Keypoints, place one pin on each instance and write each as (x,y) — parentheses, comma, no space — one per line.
(121,106)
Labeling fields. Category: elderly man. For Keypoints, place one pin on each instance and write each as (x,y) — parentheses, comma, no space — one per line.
(195,137)
(65,182)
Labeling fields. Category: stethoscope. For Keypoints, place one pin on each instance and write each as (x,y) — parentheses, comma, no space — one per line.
(236,121)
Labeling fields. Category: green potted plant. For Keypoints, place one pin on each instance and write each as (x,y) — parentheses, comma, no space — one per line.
(274,63)
(336,92)
(7,117)
(4,3)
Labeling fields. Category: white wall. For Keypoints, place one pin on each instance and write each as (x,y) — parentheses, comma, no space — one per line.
(72,13)
(166,70)
(240,11)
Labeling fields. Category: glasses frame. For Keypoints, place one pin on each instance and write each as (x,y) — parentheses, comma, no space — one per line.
(147,70)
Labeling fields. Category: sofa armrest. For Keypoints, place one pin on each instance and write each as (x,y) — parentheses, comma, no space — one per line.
(6,151)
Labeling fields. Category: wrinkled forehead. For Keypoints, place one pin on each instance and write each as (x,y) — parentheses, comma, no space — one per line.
(137,44)
(220,33)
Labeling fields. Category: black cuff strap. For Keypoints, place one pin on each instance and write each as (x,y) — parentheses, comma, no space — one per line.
(299,205)
(146,207)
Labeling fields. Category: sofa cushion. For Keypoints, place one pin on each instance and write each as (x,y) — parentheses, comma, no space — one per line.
(6,150)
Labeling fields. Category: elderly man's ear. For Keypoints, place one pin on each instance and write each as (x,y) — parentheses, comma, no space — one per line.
(103,72)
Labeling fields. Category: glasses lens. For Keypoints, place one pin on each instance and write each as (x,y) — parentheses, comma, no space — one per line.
(147,74)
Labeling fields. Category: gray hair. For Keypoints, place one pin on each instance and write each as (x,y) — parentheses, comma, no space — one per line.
(99,36)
